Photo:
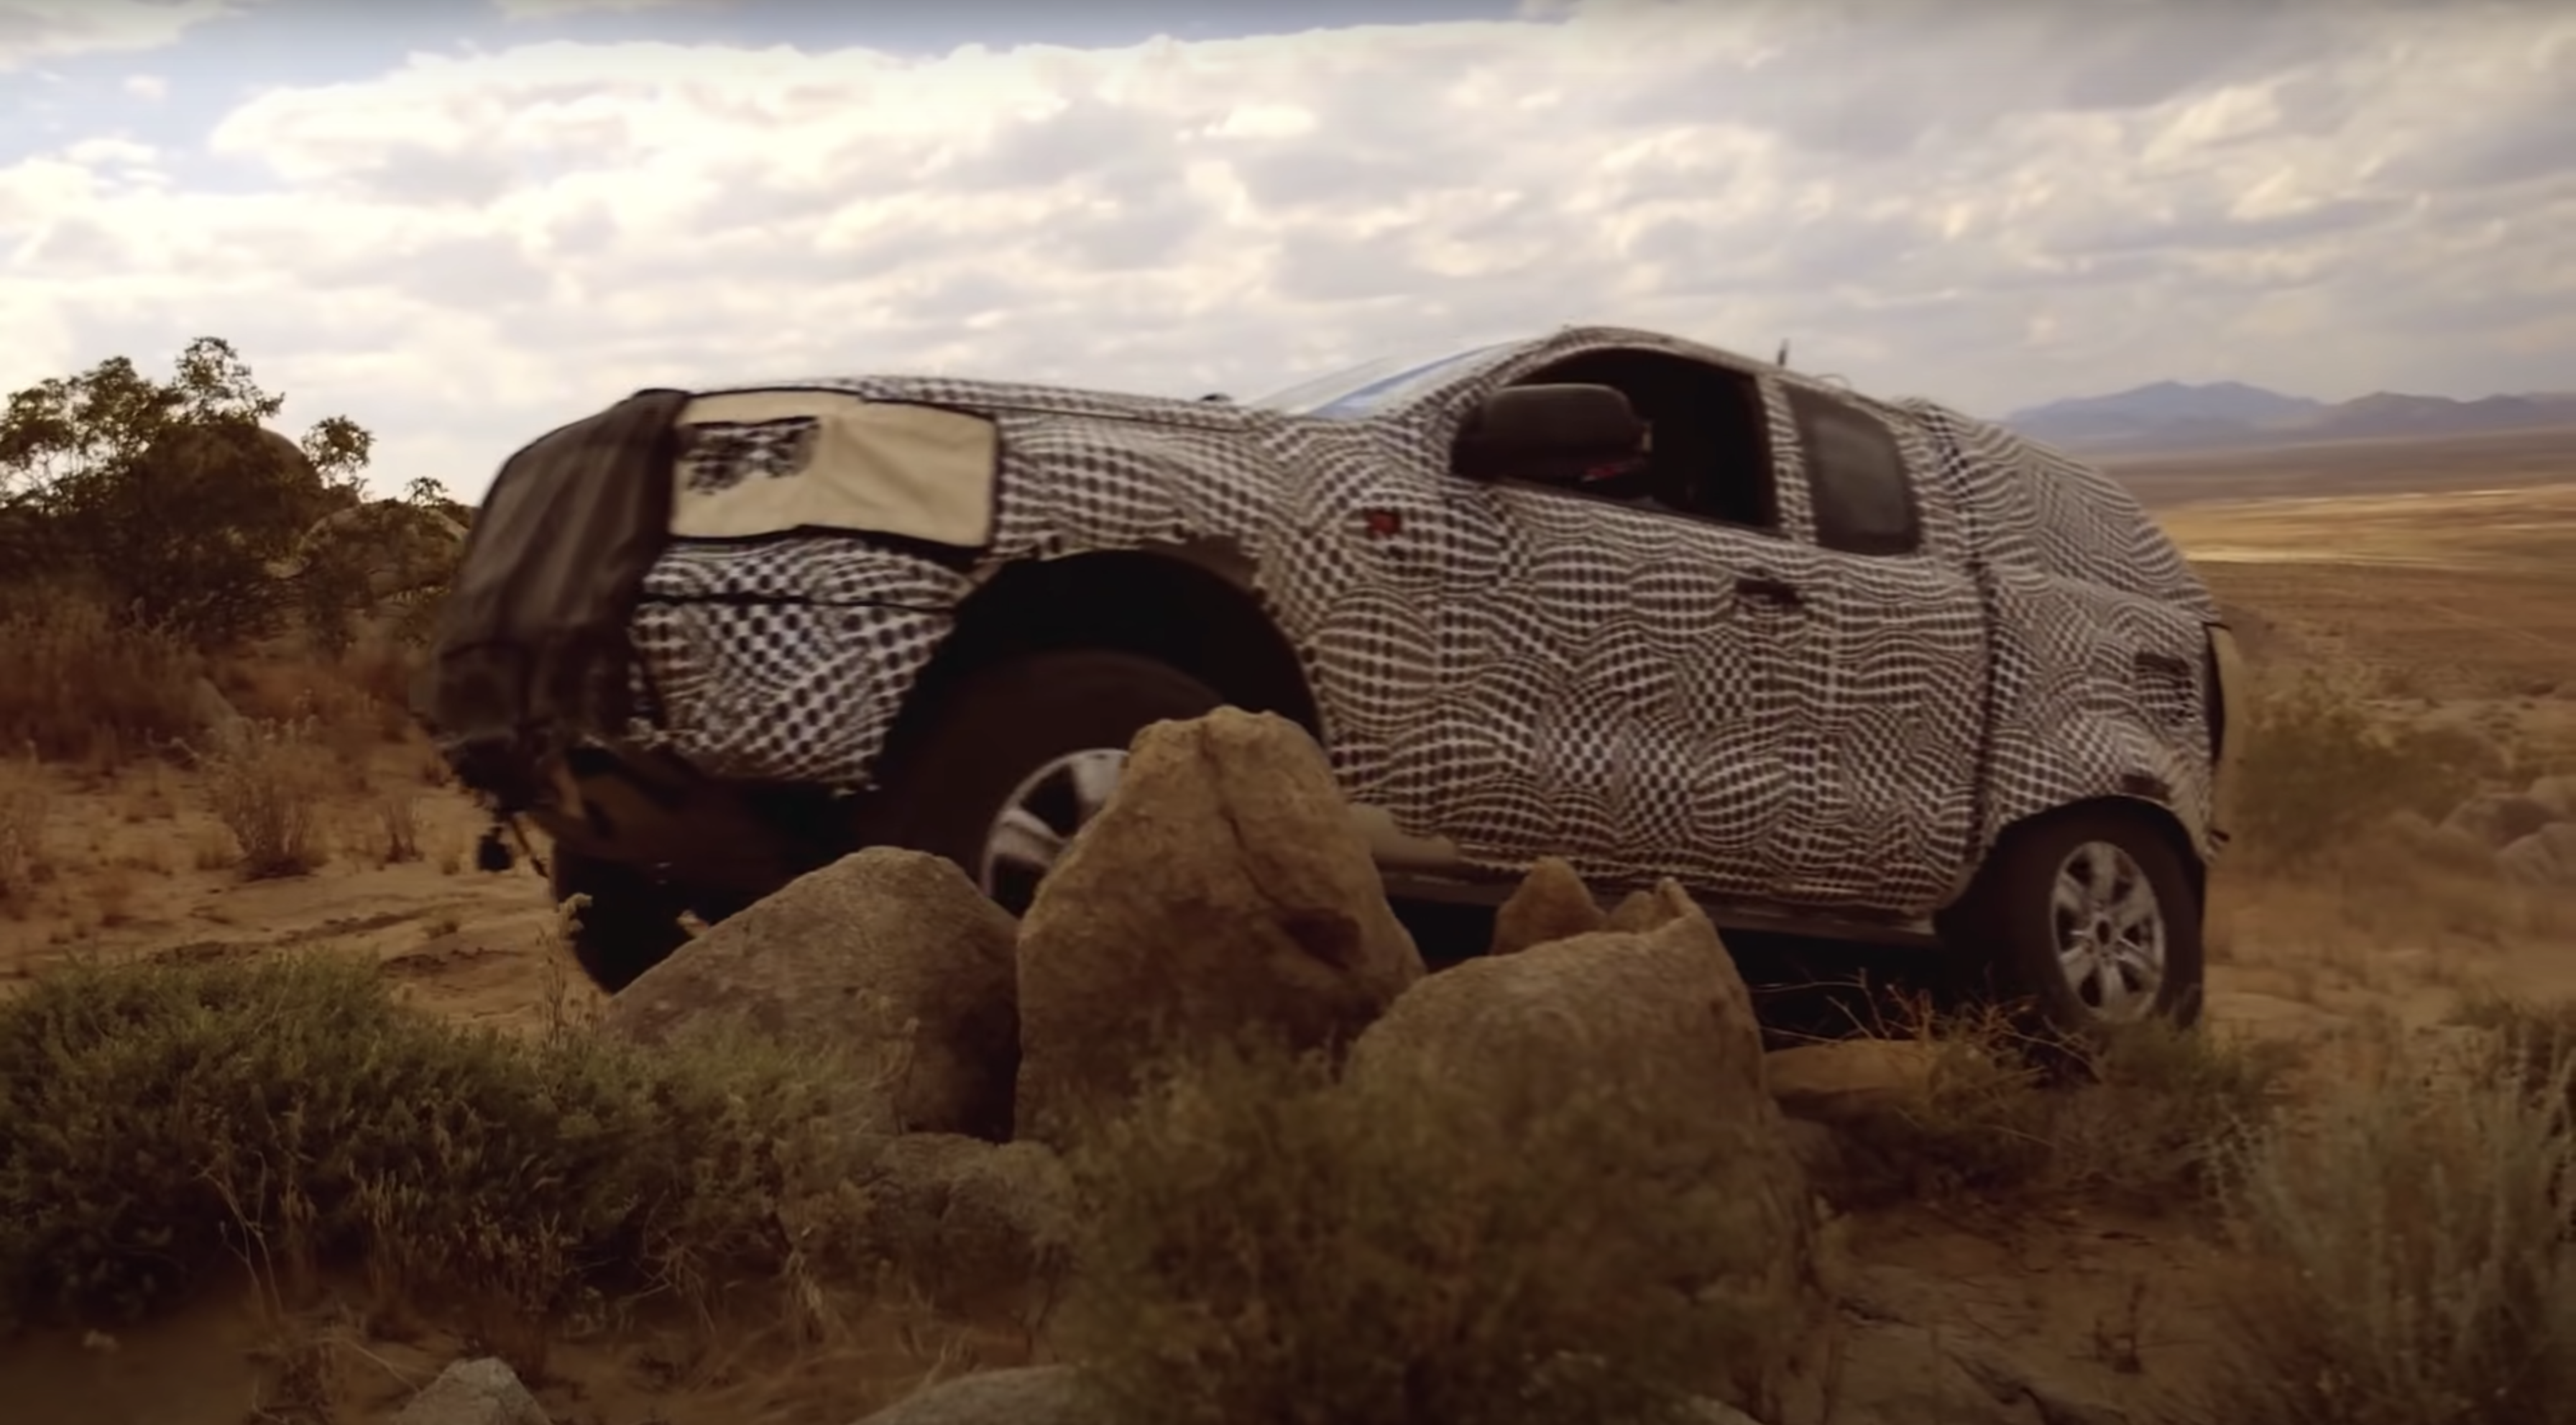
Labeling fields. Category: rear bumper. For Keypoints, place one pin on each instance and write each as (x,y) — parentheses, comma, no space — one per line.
(649,808)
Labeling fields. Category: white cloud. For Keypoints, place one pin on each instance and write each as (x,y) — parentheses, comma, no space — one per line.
(151,88)
(1988,203)
(552,9)
(31,30)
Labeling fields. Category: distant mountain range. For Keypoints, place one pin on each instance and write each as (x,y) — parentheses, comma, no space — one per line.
(2172,416)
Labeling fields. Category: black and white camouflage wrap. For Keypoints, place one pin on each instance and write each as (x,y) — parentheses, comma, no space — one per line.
(1526,672)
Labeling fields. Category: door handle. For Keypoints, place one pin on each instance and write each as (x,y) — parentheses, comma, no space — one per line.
(1778,593)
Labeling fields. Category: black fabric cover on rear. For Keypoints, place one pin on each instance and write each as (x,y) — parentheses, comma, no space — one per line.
(532,648)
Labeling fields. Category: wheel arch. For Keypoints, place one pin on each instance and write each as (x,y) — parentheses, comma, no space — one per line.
(2163,819)
(1192,606)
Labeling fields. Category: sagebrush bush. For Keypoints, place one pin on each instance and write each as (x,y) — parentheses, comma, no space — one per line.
(77,683)
(264,784)
(1262,1243)
(2407,1257)
(2319,770)
(160,1122)
(2533,1043)
(2140,1113)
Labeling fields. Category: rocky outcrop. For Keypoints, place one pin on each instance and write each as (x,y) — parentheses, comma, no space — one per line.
(890,956)
(1552,903)
(1223,889)
(1656,1024)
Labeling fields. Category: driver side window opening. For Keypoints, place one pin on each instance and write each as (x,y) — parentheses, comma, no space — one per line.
(1708,448)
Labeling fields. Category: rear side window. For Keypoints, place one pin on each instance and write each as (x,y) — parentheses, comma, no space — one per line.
(1864,502)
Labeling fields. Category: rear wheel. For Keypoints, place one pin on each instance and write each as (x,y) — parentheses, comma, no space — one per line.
(629,924)
(1016,757)
(2090,919)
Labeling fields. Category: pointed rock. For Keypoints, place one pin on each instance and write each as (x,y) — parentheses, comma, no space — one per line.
(1551,904)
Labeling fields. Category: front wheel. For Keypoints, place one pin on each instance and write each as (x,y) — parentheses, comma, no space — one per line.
(629,924)
(2090,918)
(1016,757)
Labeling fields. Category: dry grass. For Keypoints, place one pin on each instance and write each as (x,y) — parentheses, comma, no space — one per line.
(26,806)
(75,686)
(2338,858)
(397,824)
(263,787)
(2408,1250)
(169,1121)
(2321,773)
(2137,1116)
(1262,1242)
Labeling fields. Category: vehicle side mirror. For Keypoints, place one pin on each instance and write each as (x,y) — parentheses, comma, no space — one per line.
(1546,433)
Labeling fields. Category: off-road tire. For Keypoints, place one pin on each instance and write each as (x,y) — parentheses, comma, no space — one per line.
(630,924)
(2006,934)
(960,760)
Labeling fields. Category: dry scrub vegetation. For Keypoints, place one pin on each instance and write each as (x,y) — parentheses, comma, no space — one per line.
(170,1122)
(1253,1232)
(1258,1241)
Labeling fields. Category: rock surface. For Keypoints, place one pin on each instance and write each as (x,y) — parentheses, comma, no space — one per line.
(1651,910)
(2498,819)
(2557,795)
(477,1392)
(888,954)
(1660,1023)
(1552,903)
(2546,858)
(1848,1077)
(1224,888)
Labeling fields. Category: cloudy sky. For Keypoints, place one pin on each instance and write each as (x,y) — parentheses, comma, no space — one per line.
(463,221)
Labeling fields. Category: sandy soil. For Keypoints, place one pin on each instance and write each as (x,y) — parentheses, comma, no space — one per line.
(2460,591)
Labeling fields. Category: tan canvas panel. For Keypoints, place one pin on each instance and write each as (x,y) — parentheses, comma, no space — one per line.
(877,468)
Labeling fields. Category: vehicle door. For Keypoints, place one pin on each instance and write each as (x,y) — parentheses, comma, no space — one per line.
(1886,712)
(1625,690)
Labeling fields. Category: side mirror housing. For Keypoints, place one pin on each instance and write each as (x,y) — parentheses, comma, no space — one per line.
(1553,432)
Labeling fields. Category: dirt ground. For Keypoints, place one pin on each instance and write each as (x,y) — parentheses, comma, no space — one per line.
(2447,572)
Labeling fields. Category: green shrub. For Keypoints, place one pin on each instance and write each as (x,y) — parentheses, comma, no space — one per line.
(160,1121)
(2408,1258)
(1263,1244)
(2140,1114)
(2319,769)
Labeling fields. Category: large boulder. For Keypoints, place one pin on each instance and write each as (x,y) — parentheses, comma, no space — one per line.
(888,955)
(1657,1026)
(2546,858)
(1552,903)
(1223,889)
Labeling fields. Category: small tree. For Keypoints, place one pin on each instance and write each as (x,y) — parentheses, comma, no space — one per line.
(168,499)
